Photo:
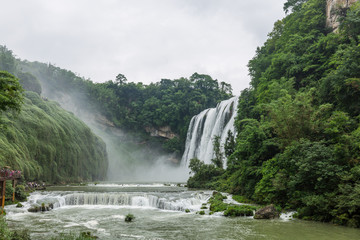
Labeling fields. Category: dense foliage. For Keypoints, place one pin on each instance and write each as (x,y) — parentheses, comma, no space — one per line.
(10,92)
(298,132)
(133,107)
(50,144)
(166,103)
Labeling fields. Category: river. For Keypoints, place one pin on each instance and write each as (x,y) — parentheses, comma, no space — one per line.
(160,213)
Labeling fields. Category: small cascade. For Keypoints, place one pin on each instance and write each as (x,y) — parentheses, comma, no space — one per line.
(205,126)
(138,200)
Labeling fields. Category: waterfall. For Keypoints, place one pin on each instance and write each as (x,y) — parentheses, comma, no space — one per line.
(164,201)
(205,126)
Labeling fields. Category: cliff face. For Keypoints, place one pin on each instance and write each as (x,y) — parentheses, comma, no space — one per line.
(331,7)
(164,132)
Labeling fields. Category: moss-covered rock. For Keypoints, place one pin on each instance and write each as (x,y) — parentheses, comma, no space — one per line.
(268,212)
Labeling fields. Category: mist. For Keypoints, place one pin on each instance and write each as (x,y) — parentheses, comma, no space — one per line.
(130,159)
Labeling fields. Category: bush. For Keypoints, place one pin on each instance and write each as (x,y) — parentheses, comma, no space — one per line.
(129,218)
(204,174)
(9,189)
(216,202)
(20,193)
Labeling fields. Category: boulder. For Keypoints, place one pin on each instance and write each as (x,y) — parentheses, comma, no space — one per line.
(43,208)
(268,212)
(34,208)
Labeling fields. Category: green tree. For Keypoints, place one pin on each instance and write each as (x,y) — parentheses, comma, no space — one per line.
(293,5)
(218,160)
(120,79)
(10,92)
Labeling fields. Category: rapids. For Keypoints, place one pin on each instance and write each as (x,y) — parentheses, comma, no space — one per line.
(160,213)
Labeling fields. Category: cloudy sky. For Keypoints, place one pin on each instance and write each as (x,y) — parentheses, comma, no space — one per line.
(146,40)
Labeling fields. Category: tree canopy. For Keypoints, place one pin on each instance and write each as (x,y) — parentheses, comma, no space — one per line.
(10,92)
(297,142)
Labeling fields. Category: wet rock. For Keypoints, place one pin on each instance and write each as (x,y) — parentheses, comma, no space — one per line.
(34,208)
(19,205)
(43,208)
(268,212)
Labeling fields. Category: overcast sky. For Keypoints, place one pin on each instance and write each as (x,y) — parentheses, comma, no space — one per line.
(146,40)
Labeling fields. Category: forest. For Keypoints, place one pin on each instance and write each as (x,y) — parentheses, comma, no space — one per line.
(130,106)
(298,134)
(50,136)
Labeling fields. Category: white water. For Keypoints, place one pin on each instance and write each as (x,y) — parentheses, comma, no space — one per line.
(205,126)
(159,199)
(159,211)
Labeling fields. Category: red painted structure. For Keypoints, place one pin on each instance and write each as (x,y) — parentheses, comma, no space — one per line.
(5,175)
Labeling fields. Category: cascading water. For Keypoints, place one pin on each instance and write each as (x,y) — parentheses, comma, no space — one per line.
(205,126)
(174,201)
(101,210)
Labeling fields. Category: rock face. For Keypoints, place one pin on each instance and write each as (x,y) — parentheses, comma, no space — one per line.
(331,7)
(164,132)
(268,212)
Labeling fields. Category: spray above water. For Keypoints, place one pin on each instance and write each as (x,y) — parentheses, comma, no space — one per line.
(129,159)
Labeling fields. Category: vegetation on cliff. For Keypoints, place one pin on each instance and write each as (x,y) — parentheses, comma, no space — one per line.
(298,132)
(10,93)
(50,144)
(130,106)
(43,140)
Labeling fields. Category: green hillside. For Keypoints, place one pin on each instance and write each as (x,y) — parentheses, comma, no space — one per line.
(298,132)
(50,144)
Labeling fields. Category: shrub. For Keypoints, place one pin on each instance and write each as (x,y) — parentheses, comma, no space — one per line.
(20,193)
(129,218)
(216,202)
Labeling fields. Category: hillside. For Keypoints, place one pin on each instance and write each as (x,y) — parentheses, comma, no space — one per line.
(144,126)
(50,144)
(298,132)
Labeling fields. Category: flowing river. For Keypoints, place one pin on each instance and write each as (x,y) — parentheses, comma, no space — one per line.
(160,213)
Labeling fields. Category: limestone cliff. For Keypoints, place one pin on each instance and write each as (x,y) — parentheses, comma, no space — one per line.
(164,132)
(331,11)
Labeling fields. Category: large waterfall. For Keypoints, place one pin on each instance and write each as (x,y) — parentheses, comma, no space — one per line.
(205,126)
